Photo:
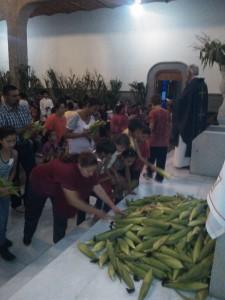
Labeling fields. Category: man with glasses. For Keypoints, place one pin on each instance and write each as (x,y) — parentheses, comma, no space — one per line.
(17,116)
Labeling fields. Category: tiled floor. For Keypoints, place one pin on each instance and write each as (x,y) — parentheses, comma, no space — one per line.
(26,255)
(182,182)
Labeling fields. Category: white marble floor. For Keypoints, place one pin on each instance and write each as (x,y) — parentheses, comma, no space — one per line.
(41,243)
(182,182)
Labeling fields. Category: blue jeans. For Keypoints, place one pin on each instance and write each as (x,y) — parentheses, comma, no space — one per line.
(4,213)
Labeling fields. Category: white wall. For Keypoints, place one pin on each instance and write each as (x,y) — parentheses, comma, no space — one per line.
(116,44)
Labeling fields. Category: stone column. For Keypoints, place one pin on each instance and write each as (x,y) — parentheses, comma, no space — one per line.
(17,14)
(17,44)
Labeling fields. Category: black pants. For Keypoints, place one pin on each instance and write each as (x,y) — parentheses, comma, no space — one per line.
(26,158)
(33,210)
(158,156)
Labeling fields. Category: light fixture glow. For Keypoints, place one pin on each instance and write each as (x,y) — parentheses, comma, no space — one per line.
(136,8)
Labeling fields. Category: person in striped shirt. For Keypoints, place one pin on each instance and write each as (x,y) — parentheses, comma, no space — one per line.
(19,117)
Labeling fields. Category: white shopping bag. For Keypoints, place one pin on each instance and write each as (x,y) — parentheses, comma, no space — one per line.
(215,224)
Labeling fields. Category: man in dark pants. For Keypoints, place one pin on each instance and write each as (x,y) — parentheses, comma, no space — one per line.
(18,116)
(160,125)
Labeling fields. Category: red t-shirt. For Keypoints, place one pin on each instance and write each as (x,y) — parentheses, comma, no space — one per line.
(118,123)
(160,123)
(58,124)
(48,180)
(145,153)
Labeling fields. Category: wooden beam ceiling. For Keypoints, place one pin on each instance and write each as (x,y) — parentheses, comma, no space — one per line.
(52,7)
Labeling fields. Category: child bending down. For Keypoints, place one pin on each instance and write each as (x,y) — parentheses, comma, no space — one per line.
(127,175)
(104,151)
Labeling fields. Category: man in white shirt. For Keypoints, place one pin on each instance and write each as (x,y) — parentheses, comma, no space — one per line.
(71,110)
(46,105)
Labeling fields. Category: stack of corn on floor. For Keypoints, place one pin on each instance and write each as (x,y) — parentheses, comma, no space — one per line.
(70,276)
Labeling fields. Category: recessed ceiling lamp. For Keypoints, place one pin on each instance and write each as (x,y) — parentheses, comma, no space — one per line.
(136,8)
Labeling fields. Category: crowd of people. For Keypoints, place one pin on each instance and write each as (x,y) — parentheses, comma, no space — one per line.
(60,151)
(63,159)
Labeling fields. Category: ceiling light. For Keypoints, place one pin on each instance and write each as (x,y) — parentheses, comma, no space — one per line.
(136,8)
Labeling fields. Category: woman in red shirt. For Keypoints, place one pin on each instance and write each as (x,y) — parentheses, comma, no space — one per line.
(119,120)
(68,185)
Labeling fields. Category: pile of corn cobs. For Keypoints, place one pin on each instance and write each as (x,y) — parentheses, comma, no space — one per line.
(160,237)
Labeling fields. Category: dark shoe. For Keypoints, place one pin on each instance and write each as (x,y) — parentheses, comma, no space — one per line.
(147,177)
(8,243)
(26,241)
(20,209)
(16,201)
(159,180)
(6,254)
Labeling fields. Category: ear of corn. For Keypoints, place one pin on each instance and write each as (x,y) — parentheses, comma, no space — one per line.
(112,234)
(156,263)
(197,248)
(202,295)
(103,258)
(208,248)
(198,271)
(169,261)
(126,278)
(133,237)
(111,271)
(86,251)
(13,190)
(147,282)
(176,254)
(124,247)
(187,286)
(99,246)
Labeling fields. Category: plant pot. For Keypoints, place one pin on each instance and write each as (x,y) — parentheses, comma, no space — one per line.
(221,112)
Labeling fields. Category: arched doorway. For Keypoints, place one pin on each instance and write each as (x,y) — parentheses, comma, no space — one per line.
(167,79)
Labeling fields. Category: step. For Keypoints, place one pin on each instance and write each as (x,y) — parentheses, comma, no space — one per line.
(23,277)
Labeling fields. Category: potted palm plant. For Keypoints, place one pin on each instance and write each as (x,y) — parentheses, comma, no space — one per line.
(213,52)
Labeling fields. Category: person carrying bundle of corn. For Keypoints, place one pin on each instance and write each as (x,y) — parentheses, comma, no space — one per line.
(8,161)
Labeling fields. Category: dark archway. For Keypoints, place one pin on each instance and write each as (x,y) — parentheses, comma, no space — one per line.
(173,72)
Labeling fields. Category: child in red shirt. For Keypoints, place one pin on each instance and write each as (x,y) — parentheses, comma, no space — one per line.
(160,125)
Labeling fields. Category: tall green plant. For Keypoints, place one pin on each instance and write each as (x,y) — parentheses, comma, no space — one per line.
(53,83)
(29,83)
(77,88)
(211,51)
(139,91)
(113,94)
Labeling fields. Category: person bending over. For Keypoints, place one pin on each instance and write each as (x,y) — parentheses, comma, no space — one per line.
(69,186)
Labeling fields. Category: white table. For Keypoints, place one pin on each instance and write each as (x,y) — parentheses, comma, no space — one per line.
(72,277)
